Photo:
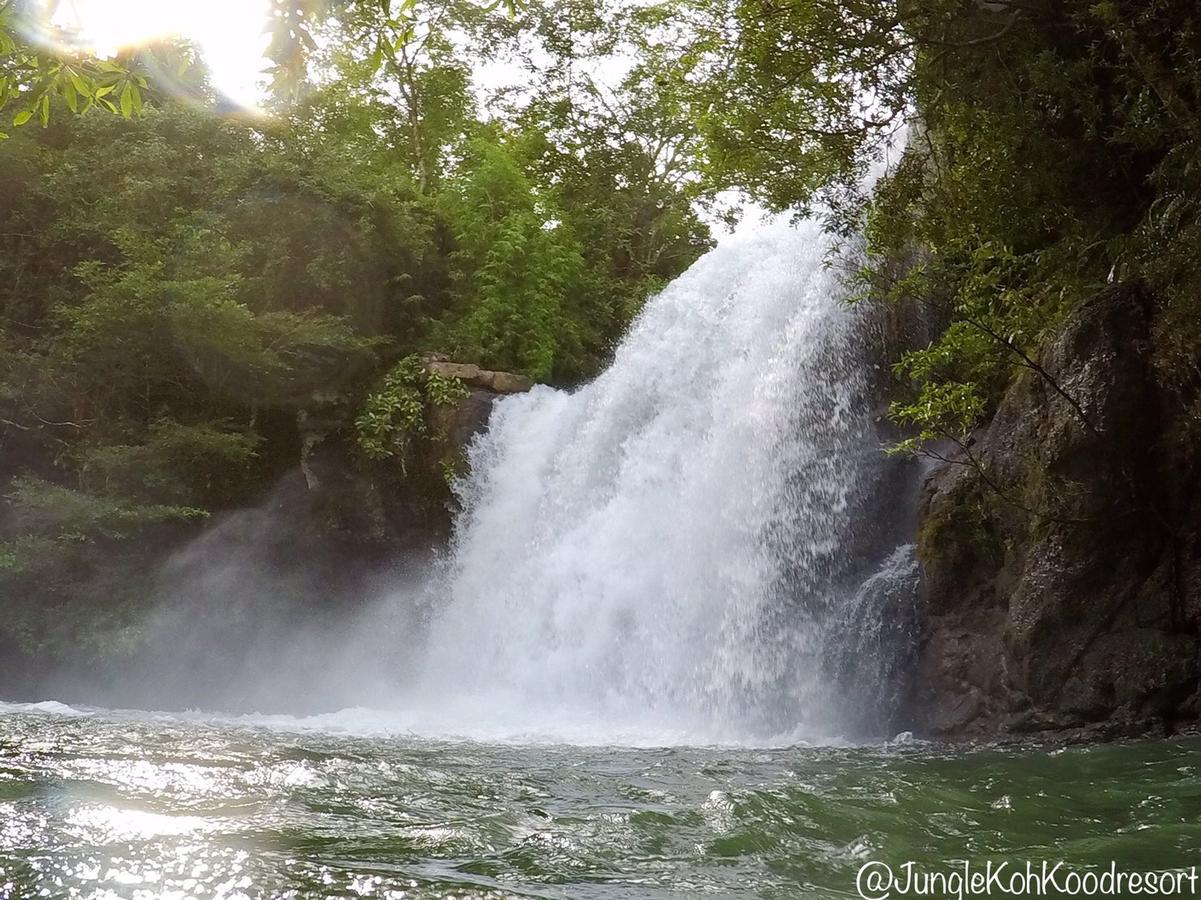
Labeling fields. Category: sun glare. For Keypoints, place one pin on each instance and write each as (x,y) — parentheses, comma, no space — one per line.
(229,34)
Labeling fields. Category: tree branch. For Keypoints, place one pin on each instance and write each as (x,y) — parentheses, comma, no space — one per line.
(1034,366)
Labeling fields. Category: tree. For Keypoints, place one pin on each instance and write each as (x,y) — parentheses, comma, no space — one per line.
(178,288)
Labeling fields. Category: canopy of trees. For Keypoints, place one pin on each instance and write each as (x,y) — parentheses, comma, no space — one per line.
(176,284)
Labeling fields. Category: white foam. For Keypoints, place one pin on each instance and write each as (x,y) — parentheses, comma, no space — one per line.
(50,707)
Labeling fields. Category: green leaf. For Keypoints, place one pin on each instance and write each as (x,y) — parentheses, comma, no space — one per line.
(22,117)
(78,81)
(127,101)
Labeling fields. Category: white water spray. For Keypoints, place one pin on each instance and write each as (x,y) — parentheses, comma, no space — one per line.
(662,547)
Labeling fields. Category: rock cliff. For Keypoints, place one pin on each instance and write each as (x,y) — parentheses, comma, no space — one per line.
(399,504)
(1062,547)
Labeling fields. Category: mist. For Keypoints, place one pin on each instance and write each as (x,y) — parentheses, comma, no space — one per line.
(256,614)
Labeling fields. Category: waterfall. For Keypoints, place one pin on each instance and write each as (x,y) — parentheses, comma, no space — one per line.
(675,544)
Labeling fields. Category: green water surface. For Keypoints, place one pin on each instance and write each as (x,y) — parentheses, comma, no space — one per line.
(137,805)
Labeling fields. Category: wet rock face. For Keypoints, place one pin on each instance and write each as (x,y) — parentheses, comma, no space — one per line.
(401,504)
(1061,558)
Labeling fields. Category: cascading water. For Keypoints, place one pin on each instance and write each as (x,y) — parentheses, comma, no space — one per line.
(663,548)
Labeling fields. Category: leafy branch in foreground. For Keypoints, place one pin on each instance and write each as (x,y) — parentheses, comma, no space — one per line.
(40,60)
(36,66)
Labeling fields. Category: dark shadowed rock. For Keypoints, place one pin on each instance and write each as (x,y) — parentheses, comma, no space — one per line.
(460,423)
(1061,556)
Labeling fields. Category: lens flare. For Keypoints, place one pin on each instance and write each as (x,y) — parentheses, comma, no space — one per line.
(229,34)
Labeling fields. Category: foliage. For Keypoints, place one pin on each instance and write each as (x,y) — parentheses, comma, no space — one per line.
(42,508)
(394,413)
(51,521)
(41,67)
(40,60)
(1052,146)
(1045,158)
(996,308)
(392,29)
(784,98)
(176,462)
(178,285)
(517,262)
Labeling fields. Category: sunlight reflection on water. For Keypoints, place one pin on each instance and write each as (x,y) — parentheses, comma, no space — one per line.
(127,806)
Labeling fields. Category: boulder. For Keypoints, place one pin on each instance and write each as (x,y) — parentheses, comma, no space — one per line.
(473,376)
(505,382)
(468,372)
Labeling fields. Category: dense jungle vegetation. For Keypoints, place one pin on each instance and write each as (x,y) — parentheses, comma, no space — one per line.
(179,282)
(179,279)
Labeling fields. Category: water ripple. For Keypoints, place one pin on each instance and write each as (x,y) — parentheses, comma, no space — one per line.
(120,806)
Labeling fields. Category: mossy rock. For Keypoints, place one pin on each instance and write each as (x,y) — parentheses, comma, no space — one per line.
(957,542)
